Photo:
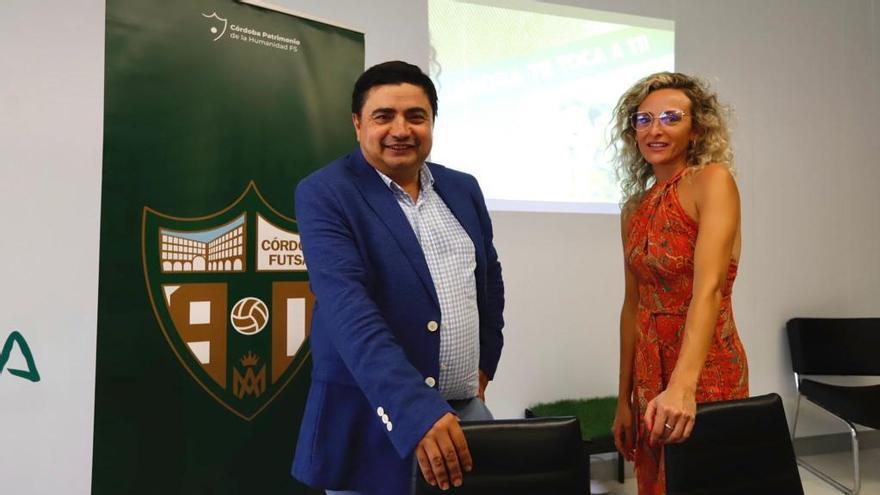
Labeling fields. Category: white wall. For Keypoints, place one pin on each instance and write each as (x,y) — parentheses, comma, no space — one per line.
(393,29)
(801,74)
(51,112)
(802,78)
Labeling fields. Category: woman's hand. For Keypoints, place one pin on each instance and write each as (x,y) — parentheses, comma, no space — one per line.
(670,416)
(623,429)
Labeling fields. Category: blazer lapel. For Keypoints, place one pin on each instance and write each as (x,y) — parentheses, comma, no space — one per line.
(385,205)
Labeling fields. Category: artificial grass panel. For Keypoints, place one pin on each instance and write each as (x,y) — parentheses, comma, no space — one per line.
(596,415)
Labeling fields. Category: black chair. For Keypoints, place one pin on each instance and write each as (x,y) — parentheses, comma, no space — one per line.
(837,346)
(736,447)
(599,444)
(520,456)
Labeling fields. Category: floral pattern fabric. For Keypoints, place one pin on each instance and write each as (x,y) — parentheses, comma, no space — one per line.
(659,251)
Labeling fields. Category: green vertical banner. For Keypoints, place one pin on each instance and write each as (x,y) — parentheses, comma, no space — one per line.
(214,110)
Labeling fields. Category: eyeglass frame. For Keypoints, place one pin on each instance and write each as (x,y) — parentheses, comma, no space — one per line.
(632,123)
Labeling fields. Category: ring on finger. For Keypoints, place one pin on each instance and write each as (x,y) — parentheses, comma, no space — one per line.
(668,426)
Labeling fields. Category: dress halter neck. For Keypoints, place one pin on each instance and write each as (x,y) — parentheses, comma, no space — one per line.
(672,180)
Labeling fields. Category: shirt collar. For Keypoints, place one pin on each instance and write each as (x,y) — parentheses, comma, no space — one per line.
(426,180)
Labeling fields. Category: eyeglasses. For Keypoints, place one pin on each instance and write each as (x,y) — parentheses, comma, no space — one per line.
(642,120)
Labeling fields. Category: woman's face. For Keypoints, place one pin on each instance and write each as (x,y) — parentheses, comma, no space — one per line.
(664,141)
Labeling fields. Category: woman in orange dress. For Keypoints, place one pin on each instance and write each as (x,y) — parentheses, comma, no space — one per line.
(681,244)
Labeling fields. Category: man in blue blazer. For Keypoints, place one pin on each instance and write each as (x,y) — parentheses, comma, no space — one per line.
(406,331)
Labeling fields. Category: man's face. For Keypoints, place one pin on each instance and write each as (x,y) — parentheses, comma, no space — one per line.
(395,129)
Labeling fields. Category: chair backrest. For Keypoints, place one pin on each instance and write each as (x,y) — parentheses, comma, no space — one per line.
(521,456)
(736,447)
(834,346)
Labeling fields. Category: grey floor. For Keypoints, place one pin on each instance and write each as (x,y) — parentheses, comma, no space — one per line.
(838,465)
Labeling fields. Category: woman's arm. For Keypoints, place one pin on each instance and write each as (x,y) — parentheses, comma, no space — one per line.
(624,438)
(718,213)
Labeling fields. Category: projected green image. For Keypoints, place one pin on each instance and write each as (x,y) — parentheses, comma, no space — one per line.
(526,95)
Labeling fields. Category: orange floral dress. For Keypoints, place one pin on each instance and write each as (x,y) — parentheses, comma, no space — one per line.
(659,251)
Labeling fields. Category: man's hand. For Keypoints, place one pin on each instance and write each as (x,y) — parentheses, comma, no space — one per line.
(443,452)
(484,382)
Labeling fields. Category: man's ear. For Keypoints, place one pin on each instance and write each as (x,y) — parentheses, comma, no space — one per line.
(356,121)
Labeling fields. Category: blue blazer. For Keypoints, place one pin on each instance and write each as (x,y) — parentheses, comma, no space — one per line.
(373,335)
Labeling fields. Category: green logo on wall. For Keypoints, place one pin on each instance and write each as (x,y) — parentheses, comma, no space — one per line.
(14,339)
(230,293)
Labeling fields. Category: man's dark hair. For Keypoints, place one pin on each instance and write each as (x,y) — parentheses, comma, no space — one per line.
(395,72)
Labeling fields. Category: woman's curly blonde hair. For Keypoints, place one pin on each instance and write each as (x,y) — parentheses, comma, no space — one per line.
(709,119)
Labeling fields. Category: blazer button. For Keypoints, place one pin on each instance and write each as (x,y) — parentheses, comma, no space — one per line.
(380,411)
(385,419)
(389,426)
(430,381)
(433,326)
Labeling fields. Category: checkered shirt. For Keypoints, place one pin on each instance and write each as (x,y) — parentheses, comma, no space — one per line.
(451,260)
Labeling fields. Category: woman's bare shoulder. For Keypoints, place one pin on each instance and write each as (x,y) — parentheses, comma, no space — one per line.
(626,212)
(713,173)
